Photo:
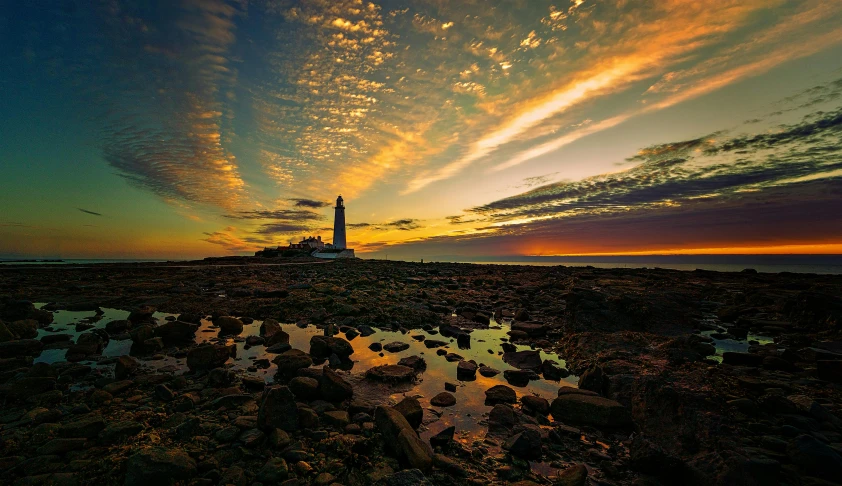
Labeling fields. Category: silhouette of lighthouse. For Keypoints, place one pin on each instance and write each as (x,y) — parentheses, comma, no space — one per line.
(339,224)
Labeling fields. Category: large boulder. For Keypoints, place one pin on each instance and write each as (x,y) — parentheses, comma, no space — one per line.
(209,356)
(500,394)
(411,410)
(278,409)
(20,347)
(590,410)
(523,360)
(324,346)
(289,362)
(176,331)
(157,465)
(271,331)
(595,380)
(24,329)
(333,387)
(399,434)
(391,373)
(815,458)
(229,325)
(525,444)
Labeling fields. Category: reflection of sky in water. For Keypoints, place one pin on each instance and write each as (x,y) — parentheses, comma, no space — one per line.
(723,345)
(470,396)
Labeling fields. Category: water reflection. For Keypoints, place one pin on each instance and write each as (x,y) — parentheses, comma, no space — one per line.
(466,415)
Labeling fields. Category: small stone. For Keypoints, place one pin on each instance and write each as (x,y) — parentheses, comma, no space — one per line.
(443,399)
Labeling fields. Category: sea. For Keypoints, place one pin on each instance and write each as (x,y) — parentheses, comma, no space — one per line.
(815,264)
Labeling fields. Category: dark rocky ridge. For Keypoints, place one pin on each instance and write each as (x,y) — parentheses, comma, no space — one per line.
(653,407)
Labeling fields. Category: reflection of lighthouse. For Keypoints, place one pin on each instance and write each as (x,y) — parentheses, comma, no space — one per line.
(339,225)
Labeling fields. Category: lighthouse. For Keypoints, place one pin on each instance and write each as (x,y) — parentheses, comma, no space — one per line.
(339,225)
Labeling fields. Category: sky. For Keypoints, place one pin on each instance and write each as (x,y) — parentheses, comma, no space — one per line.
(193,128)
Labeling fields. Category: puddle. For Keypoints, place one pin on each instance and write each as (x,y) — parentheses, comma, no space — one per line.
(732,345)
(467,415)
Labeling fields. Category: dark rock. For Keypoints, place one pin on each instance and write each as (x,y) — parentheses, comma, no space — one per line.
(595,380)
(526,444)
(519,378)
(177,331)
(552,371)
(21,347)
(229,325)
(584,409)
(397,432)
(537,404)
(291,361)
(273,471)
(444,437)
(396,347)
(443,399)
(407,477)
(333,387)
(324,346)
(500,394)
(157,465)
(415,362)
(87,427)
(466,371)
(125,366)
(119,431)
(741,359)
(61,446)
(391,373)
(209,356)
(24,329)
(815,458)
(278,409)
(488,372)
(523,360)
(572,476)
(304,388)
(411,409)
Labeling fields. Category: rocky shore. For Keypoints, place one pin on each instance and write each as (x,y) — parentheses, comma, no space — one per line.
(363,372)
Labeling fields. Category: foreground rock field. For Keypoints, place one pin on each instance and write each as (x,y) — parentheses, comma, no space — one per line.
(364,372)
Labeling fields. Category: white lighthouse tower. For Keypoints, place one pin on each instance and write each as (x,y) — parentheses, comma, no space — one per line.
(339,225)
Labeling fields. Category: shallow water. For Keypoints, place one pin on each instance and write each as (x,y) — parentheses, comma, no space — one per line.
(466,415)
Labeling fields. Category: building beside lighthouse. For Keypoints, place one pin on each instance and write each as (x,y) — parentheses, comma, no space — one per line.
(314,244)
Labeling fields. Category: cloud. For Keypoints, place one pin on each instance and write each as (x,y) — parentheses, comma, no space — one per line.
(277,214)
(309,203)
(89,212)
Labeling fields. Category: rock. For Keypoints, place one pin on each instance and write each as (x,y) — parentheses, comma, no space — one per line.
(324,346)
(741,359)
(21,347)
(27,387)
(526,444)
(24,329)
(143,313)
(119,431)
(337,418)
(815,458)
(291,361)
(500,394)
(274,471)
(376,347)
(333,387)
(304,388)
(162,392)
(594,380)
(443,438)
(157,465)
(396,347)
(272,333)
(552,371)
(87,427)
(432,343)
(407,477)
(278,348)
(415,362)
(278,409)
(591,410)
(5,334)
(572,476)
(252,438)
(61,446)
(466,371)
(519,378)
(443,399)
(408,446)
(537,404)
(220,378)
(391,373)
(523,360)
(488,372)
(125,366)
(229,325)
(209,356)
(177,331)
(411,409)
(118,387)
